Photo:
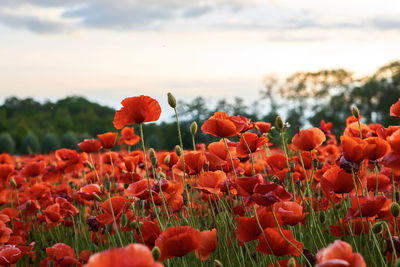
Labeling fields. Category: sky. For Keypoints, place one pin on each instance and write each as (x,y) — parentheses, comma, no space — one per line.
(107,50)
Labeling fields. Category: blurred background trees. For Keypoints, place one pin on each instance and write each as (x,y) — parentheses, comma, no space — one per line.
(302,99)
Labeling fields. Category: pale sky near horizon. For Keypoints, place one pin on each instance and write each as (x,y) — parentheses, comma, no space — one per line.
(107,50)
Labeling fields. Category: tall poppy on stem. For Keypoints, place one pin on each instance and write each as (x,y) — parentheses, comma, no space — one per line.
(308,139)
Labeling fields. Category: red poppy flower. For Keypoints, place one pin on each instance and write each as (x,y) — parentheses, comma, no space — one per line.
(248,228)
(383,182)
(242,123)
(395,109)
(130,255)
(5,232)
(221,125)
(87,192)
(394,141)
(117,204)
(245,185)
(375,148)
(337,254)
(392,160)
(149,232)
(355,226)
(253,143)
(263,126)
(108,139)
(9,254)
(84,256)
(33,169)
(290,212)
(268,193)
(208,244)
(353,148)
(336,181)
(326,127)
(277,162)
(194,162)
(177,241)
(90,145)
(308,139)
(369,206)
(137,109)
(277,245)
(128,136)
(209,182)
(62,255)
(52,215)
(353,130)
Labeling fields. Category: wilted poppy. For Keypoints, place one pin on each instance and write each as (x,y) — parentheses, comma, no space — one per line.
(339,253)
(137,109)
(130,255)
(395,109)
(177,241)
(108,139)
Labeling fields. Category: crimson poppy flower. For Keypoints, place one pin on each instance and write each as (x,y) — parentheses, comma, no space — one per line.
(253,143)
(9,254)
(248,228)
(149,232)
(277,245)
(263,126)
(130,255)
(128,136)
(392,160)
(277,162)
(52,215)
(137,109)
(221,125)
(5,232)
(210,182)
(194,162)
(353,148)
(336,181)
(395,109)
(177,241)
(208,243)
(354,226)
(326,127)
(117,205)
(383,182)
(87,192)
(375,148)
(353,130)
(140,189)
(33,169)
(290,212)
(245,185)
(84,256)
(339,253)
(394,141)
(62,255)
(268,193)
(308,139)
(108,139)
(369,206)
(90,145)
(242,123)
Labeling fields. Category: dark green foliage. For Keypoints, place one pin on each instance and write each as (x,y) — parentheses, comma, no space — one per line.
(50,142)
(30,144)
(7,143)
(69,140)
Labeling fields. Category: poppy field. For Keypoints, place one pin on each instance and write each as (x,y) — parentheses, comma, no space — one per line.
(256,197)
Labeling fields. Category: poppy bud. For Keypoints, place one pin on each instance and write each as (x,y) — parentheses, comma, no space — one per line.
(395,209)
(153,158)
(217,263)
(193,128)
(356,112)
(396,195)
(279,123)
(97,197)
(171,100)
(291,262)
(156,253)
(13,182)
(377,228)
(178,150)
(107,185)
(161,175)
(124,220)
(322,217)
(167,159)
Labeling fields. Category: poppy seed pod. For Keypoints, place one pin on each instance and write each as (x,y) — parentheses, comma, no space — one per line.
(171,100)
(279,123)
(178,150)
(193,128)
(356,112)
(156,253)
(153,157)
(395,209)
(167,159)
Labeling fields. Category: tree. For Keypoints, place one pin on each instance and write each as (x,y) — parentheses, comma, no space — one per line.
(7,143)
(30,144)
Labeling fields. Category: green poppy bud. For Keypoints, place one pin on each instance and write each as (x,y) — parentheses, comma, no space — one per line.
(193,128)
(279,123)
(156,253)
(171,100)
(377,228)
(395,209)
(178,150)
(356,112)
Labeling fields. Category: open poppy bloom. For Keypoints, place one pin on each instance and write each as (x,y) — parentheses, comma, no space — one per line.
(90,145)
(87,192)
(290,212)
(209,182)
(253,143)
(137,109)
(262,126)
(268,193)
(108,139)
(9,254)
(117,205)
(208,243)
(339,254)
(177,241)
(375,148)
(395,109)
(353,148)
(221,125)
(336,181)
(308,139)
(369,206)
(62,255)
(271,242)
(394,141)
(128,136)
(130,255)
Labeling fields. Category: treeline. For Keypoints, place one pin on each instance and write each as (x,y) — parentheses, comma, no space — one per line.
(302,99)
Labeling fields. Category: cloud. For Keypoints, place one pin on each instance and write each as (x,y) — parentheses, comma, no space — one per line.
(32,23)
